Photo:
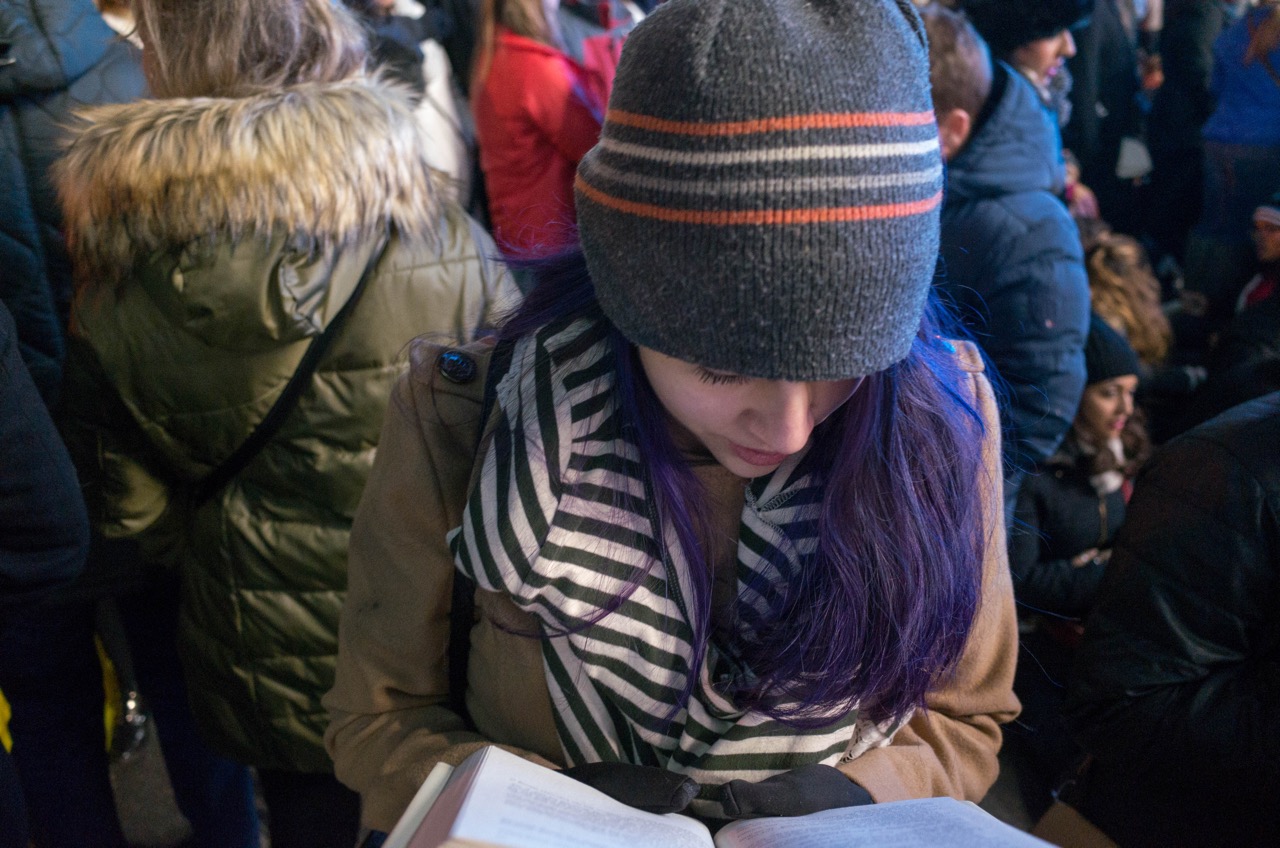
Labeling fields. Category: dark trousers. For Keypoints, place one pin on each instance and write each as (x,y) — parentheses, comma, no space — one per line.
(309,810)
(214,793)
(13,810)
(50,673)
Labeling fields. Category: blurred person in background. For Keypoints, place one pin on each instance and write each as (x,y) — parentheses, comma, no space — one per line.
(1012,256)
(537,112)
(55,56)
(44,539)
(253,250)
(1241,164)
(1067,517)
(1037,39)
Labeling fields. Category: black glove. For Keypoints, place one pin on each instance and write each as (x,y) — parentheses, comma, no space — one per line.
(648,788)
(808,789)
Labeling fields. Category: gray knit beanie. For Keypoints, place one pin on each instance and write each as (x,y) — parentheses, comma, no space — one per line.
(764,197)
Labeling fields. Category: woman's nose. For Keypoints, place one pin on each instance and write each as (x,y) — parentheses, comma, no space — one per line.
(784,418)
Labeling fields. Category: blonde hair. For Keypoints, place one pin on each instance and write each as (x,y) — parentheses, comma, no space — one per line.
(523,17)
(1126,294)
(238,48)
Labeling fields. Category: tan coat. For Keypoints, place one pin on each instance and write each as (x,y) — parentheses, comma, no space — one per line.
(391,722)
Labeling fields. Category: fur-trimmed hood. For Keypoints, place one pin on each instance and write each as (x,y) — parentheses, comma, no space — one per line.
(329,164)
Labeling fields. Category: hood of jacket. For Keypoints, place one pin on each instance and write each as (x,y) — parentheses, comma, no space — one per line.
(52,43)
(1017,148)
(170,194)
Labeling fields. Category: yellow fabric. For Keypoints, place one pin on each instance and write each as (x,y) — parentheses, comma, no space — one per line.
(5,739)
(110,710)
(111,689)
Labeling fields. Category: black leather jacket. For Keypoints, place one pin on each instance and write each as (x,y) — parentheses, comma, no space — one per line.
(1177,683)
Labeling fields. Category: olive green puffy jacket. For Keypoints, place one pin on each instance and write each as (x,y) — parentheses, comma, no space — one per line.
(214,239)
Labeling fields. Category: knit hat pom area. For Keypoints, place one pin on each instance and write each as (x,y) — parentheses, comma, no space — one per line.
(764,198)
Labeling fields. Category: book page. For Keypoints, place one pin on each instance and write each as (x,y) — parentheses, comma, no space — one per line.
(923,823)
(417,810)
(519,804)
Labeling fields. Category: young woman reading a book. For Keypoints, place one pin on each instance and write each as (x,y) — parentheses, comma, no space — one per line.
(729,498)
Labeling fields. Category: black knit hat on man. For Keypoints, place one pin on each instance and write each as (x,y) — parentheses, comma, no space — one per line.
(784,155)
(1007,25)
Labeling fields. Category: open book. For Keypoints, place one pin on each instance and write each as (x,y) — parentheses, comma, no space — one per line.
(495,799)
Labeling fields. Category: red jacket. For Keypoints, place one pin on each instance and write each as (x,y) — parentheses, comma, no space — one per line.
(537,113)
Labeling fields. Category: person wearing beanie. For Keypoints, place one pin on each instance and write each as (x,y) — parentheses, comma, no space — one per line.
(1037,39)
(1067,516)
(1012,261)
(1034,37)
(724,503)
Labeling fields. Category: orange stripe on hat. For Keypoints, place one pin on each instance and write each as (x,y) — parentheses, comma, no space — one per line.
(823,121)
(728,217)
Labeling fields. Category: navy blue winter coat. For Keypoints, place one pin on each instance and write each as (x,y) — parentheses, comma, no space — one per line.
(55,55)
(44,531)
(1015,269)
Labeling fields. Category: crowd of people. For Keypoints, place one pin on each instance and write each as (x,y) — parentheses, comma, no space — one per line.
(749,407)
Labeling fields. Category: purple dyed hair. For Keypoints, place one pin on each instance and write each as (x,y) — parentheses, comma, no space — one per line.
(883,608)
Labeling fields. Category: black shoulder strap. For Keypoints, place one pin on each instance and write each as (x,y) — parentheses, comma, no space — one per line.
(463,601)
(288,399)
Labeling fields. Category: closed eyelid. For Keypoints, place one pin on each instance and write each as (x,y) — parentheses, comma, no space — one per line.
(720,377)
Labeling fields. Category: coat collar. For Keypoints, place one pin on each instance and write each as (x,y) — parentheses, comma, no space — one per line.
(326,164)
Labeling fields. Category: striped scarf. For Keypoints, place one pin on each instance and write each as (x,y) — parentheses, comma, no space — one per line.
(562,520)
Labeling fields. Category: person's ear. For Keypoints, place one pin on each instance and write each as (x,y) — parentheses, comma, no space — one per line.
(953,131)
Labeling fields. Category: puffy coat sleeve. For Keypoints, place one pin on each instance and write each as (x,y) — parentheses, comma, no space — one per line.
(44,534)
(390,719)
(1039,317)
(127,484)
(1179,669)
(950,748)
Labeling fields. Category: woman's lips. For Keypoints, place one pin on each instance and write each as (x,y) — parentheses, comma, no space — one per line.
(755,457)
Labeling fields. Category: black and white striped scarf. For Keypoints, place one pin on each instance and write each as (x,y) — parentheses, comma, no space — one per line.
(562,520)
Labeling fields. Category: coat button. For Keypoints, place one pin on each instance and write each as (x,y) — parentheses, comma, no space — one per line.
(456,366)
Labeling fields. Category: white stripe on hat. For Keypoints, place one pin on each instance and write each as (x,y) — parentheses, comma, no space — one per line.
(772,154)
(768,186)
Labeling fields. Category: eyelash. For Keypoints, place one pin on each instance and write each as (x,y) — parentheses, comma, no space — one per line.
(718,379)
